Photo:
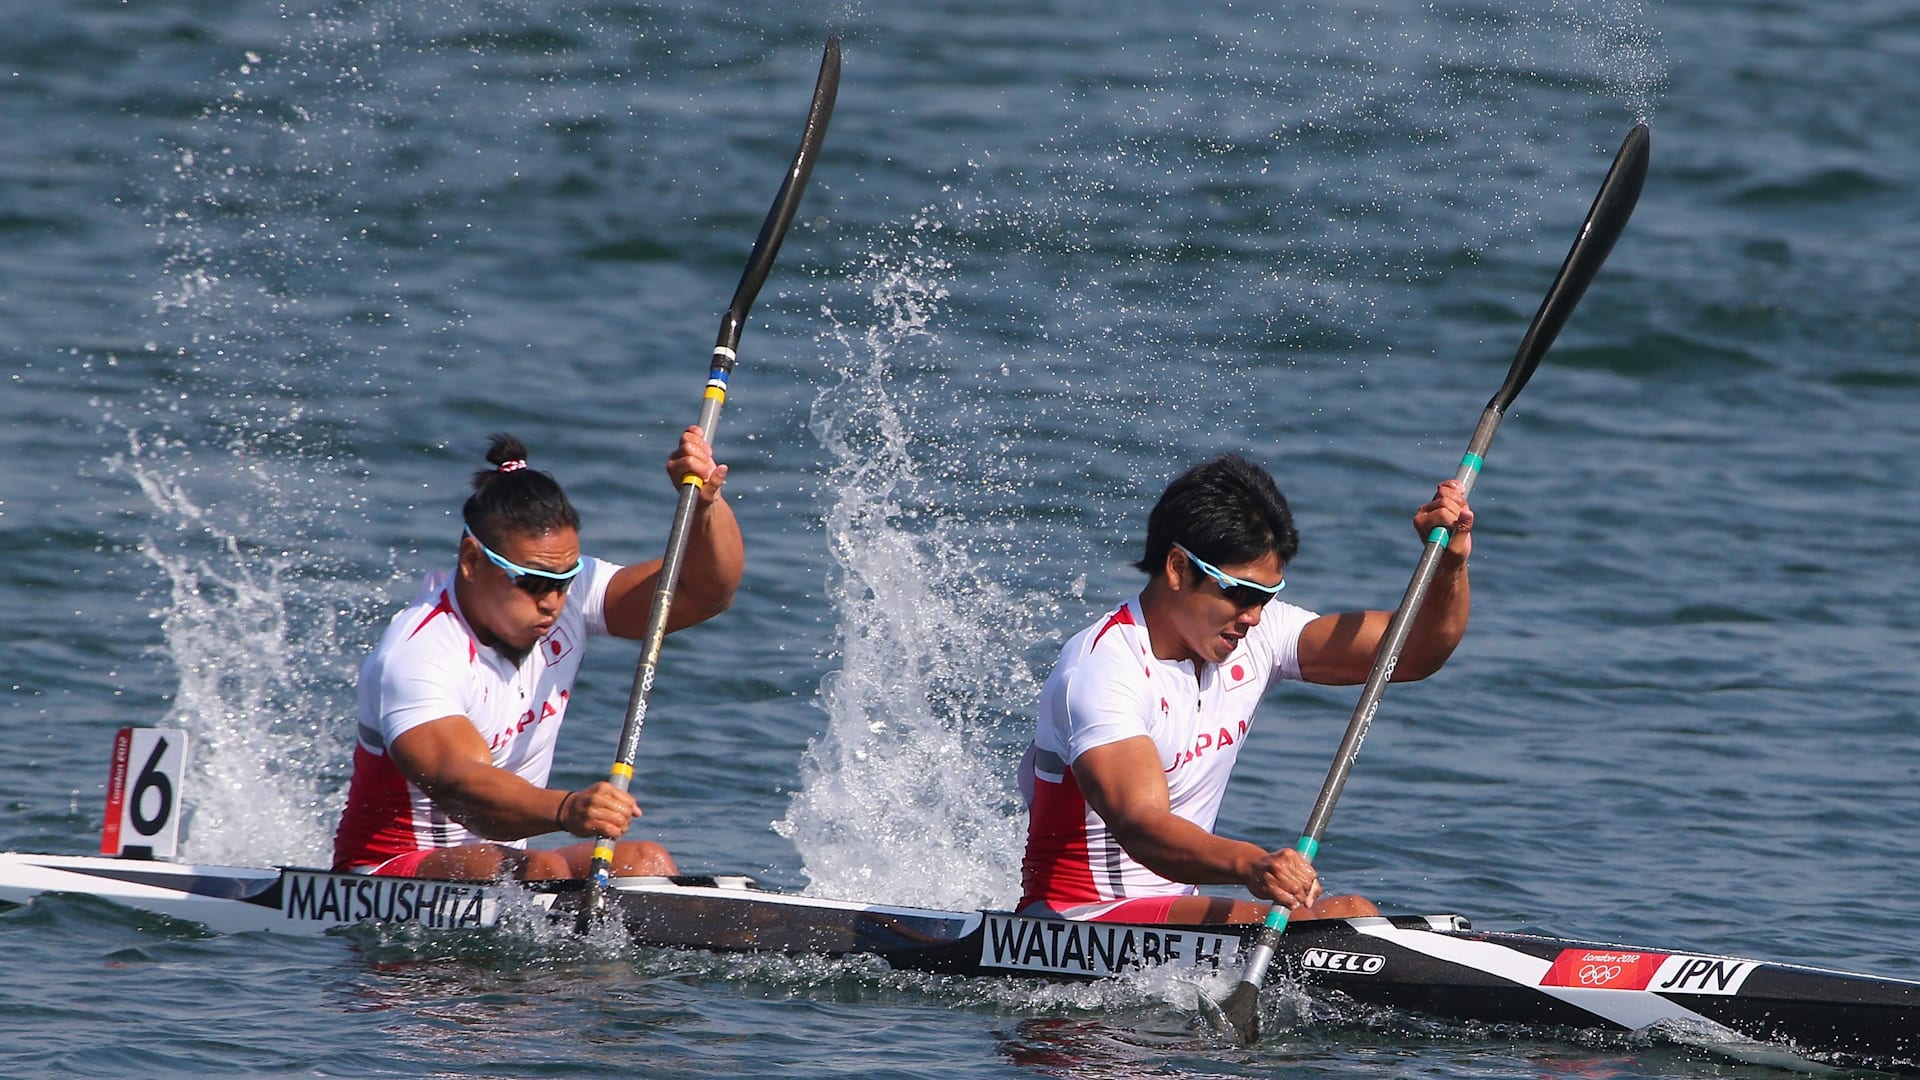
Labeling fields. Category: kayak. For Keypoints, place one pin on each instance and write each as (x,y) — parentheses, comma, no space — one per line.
(1435,965)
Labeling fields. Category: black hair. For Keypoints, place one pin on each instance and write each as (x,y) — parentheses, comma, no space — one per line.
(513,498)
(1226,511)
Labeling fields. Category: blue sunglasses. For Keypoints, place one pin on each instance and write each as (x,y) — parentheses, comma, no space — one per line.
(529,580)
(1242,592)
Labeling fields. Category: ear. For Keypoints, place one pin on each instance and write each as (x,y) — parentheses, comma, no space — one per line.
(470,557)
(1173,566)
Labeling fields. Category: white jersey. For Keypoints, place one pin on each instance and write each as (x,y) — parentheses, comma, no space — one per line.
(430,665)
(1108,686)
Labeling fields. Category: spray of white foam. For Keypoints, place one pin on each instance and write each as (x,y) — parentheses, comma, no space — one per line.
(263,606)
(1619,42)
(909,794)
(252,641)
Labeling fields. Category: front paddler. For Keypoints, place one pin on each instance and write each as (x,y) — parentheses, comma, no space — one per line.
(1146,710)
(461,703)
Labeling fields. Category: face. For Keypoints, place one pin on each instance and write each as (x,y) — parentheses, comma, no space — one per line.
(1209,618)
(509,608)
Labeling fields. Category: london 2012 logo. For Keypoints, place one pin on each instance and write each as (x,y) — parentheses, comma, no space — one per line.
(1600,974)
(1603,969)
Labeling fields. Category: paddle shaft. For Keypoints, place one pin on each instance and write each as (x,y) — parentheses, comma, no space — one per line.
(725,352)
(1604,222)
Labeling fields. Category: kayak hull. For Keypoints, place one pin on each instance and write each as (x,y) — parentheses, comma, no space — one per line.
(1436,965)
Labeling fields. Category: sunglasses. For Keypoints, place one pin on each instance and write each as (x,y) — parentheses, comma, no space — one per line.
(530,581)
(1240,591)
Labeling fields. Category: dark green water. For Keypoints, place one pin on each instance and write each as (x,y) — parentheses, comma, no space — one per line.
(269,275)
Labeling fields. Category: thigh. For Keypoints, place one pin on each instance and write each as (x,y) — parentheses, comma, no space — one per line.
(472,862)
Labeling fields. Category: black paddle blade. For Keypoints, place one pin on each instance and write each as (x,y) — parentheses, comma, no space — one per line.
(1238,1015)
(1605,221)
(787,201)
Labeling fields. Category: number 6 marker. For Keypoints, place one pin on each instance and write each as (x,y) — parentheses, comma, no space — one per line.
(143,817)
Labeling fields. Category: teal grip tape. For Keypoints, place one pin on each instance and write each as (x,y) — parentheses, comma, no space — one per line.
(1439,535)
(1472,461)
(1308,846)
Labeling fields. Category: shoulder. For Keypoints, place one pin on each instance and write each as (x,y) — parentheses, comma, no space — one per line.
(430,620)
(428,633)
(587,599)
(596,574)
(1281,621)
(1105,673)
(426,666)
(1108,658)
(1275,643)
(1119,635)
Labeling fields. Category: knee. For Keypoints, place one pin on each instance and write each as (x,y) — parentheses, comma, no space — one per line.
(642,858)
(544,866)
(1339,907)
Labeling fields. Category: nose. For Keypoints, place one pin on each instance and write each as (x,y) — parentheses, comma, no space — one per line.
(551,603)
(1250,617)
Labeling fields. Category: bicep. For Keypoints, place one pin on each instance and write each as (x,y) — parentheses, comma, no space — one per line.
(439,754)
(1123,781)
(629,600)
(1338,650)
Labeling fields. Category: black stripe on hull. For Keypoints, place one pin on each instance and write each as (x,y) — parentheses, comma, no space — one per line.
(264,891)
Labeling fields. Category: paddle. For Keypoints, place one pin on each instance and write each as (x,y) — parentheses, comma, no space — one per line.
(725,346)
(1240,1012)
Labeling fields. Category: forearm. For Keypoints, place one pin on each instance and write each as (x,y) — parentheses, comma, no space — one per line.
(1179,850)
(1442,621)
(716,560)
(498,804)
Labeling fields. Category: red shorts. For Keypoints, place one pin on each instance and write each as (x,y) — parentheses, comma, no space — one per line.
(407,865)
(1138,910)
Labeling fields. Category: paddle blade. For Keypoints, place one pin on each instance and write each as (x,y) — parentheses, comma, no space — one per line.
(1606,219)
(593,906)
(786,202)
(1238,1015)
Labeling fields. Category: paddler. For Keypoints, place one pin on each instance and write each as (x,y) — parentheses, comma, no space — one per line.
(1147,709)
(462,700)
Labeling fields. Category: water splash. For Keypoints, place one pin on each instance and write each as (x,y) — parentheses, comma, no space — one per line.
(251,637)
(909,794)
(1621,43)
(264,602)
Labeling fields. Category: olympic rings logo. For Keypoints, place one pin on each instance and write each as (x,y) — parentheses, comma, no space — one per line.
(1600,974)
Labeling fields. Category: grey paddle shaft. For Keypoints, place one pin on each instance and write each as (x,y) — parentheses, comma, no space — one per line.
(1240,1012)
(669,580)
(1384,661)
(1394,641)
(725,350)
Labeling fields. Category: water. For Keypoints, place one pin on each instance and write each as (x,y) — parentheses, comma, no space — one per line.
(270,275)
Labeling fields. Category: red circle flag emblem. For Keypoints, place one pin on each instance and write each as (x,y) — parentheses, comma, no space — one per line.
(1239,672)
